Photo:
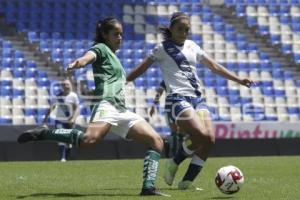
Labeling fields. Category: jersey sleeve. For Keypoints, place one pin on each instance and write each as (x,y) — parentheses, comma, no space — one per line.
(156,53)
(74,99)
(200,53)
(96,51)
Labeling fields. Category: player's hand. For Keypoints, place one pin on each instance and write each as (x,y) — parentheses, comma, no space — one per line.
(72,121)
(44,126)
(72,66)
(247,82)
(152,110)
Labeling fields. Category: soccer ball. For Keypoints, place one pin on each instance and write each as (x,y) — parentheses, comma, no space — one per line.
(229,179)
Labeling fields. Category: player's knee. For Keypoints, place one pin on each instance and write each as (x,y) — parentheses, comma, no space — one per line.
(210,139)
(89,140)
(205,136)
(157,143)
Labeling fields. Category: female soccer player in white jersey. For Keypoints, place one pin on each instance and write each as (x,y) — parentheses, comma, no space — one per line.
(177,57)
(109,112)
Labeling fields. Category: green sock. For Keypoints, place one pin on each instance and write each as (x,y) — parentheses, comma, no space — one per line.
(70,136)
(151,163)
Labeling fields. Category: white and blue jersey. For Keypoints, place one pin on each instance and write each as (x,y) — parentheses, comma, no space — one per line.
(64,108)
(178,66)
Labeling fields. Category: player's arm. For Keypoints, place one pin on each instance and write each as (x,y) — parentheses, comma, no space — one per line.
(86,59)
(220,70)
(48,114)
(75,109)
(140,69)
(158,94)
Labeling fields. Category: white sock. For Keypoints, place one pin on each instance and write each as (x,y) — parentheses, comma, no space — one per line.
(197,161)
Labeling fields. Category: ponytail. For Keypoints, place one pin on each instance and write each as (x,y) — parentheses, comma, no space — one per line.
(165,31)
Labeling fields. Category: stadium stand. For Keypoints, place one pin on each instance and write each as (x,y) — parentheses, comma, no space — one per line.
(58,30)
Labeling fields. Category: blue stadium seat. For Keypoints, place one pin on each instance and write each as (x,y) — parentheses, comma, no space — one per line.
(19,63)
(279,92)
(30,73)
(32,36)
(7,63)
(18,72)
(263,30)
(18,92)
(221,82)
(245,100)
(31,64)
(6,91)
(275,39)
(30,112)
(209,82)
(233,100)
(233,92)
(271,118)
(268,91)
(251,21)
(273,10)
(152,82)
(43,82)
(5,121)
(152,73)
(286,48)
(222,91)
(288,75)
(293,110)
(42,111)
(140,82)
(295,2)
(266,83)
(5,83)
(240,10)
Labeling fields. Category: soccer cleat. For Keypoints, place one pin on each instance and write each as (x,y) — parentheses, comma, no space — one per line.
(185,185)
(152,191)
(31,135)
(170,171)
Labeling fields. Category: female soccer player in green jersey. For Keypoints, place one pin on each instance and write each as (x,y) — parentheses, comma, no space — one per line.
(109,113)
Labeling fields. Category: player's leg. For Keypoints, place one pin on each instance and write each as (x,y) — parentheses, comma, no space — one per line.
(144,133)
(93,134)
(200,129)
(62,151)
(63,148)
(173,138)
(175,105)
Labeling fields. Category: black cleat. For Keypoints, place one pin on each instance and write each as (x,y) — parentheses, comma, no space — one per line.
(31,135)
(152,192)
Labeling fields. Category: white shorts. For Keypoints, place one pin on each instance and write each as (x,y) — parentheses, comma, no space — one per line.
(121,121)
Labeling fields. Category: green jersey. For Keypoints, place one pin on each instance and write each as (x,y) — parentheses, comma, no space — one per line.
(109,76)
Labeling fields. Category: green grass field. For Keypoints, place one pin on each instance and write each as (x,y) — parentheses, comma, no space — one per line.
(269,178)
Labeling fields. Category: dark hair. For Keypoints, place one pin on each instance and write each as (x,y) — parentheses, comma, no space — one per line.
(104,26)
(174,18)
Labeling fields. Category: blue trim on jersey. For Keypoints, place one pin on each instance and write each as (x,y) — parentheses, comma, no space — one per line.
(182,63)
(62,104)
(176,103)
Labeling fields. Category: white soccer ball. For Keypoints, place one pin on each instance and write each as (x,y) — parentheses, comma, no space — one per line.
(229,179)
